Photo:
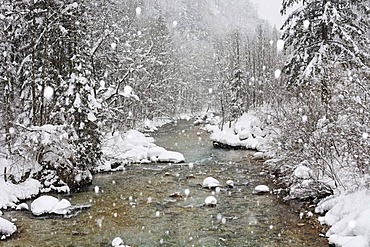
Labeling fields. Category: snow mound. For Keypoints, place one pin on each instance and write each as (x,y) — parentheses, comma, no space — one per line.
(49,204)
(210,182)
(349,218)
(11,193)
(358,241)
(22,206)
(117,241)
(133,147)
(171,156)
(155,151)
(302,171)
(7,228)
(210,201)
(260,189)
(247,132)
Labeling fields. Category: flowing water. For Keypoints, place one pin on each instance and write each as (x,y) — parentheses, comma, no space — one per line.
(147,205)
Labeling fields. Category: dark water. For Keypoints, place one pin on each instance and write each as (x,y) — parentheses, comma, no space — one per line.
(146,205)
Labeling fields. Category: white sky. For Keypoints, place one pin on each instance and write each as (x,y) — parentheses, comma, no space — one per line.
(270,11)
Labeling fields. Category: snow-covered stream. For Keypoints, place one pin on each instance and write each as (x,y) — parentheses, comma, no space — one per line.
(154,204)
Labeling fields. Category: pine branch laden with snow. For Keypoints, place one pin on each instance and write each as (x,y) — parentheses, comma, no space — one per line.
(336,33)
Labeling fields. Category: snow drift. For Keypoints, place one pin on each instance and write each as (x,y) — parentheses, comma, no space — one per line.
(247,132)
(133,146)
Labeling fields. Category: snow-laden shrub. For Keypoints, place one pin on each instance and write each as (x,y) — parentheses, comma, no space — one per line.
(332,140)
(53,148)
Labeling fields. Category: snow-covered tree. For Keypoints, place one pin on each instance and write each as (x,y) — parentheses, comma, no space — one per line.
(325,34)
(43,70)
(324,117)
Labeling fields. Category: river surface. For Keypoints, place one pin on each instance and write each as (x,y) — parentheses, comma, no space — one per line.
(146,205)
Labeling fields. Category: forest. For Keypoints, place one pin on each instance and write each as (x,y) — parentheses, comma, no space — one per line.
(73,72)
(93,67)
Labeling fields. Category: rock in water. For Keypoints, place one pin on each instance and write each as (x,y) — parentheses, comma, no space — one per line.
(117,241)
(230,183)
(52,205)
(210,201)
(259,155)
(43,205)
(210,182)
(261,189)
(62,207)
(171,156)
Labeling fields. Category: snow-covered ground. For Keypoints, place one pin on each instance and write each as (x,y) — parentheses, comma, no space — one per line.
(347,213)
(153,125)
(7,228)
(349,218)
(11,194)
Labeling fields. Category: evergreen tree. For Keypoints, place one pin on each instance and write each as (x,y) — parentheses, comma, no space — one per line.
(323,34)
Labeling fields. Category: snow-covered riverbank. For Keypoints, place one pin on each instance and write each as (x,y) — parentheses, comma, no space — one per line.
(347,212)
(119,149)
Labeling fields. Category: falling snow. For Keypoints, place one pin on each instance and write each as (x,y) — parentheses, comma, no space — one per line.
(48,93)
(280,45)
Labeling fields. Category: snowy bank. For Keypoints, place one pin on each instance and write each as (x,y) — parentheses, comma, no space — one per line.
(152,125)
(133,146)
(349,218)
(11,193)
(247,132)
(7,228)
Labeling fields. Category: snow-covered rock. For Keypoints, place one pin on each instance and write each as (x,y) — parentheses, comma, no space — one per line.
(259,155)
(351,241)
(62,207)
(260,189)
(43,204)
(230,183)
(155,151)
(210,182)
(22,206)
(134,147)
(131,146)
(117,241)
(302,171)
(210,201)
(247,132)
(171,156)
(11,193)
(49,204)
(137,138)
(7,228)
(135,154)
